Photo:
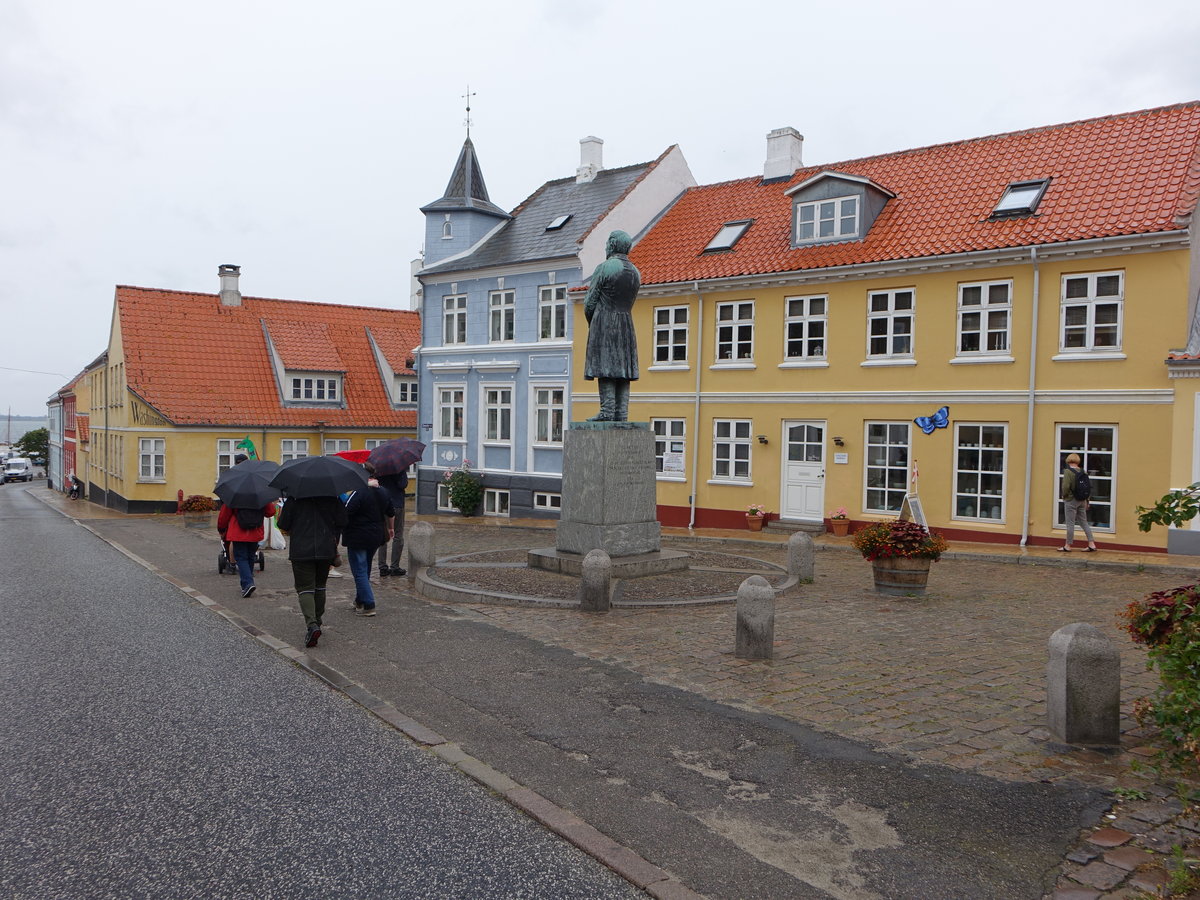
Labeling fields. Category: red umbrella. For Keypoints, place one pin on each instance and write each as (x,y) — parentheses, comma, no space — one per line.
(394,456)
(358,456)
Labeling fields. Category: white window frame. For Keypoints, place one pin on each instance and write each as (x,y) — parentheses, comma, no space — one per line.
(443,498)
(805,322)
(670,436)
(729,437)
(1090,304)
(404,390)
(547,500)
(892,318)
(1098,461)
(293,448)
(842,214)
(882,456)
(552,312)
(226,450)
(335,445)
(735,334)
(447,399)
(503,408)
(672,334)
(985,307)
(502,316)
(496,502)
(542,422)
(980,486)
(312,387)
(372,443)
(454,319)
(152,460)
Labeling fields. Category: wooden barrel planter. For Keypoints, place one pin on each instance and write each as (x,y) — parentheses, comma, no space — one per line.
(899,576)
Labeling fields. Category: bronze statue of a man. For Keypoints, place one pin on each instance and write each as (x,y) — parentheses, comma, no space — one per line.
(611,357)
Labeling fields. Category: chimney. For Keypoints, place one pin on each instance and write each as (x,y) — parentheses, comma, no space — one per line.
(230,295)
(783,153)
(591,149)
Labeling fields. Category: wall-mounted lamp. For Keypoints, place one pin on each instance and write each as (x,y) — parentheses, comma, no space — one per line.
(762,438)
(838,442)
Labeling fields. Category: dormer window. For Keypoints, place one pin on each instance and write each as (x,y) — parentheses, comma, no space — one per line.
(835,219)
(404,390)
(1020,198)
(313,388)
(729,234)
(558,223)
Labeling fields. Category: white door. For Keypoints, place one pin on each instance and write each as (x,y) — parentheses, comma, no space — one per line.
(803,471)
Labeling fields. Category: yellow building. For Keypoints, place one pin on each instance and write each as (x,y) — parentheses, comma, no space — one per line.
(189,380)
(813,338)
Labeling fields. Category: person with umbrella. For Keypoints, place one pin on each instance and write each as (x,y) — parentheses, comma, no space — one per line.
(369,515)
(246,499)
(313,518)
(391,460)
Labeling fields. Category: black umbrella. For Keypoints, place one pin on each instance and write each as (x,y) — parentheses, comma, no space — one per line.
(319,476)
(393,457)
(248,485)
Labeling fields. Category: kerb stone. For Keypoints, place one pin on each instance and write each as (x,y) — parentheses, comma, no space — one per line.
(1083,687)
(801,555)
(595,584)
(755,619)
(420,548)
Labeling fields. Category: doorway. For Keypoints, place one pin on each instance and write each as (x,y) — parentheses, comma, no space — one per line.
(803,471)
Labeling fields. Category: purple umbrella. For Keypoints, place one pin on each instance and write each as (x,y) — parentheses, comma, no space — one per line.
(393,457)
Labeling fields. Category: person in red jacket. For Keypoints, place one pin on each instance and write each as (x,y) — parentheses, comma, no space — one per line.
(243,528)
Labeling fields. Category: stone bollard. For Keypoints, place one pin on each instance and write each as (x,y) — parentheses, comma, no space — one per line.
(1083,687)
(755,619)
(420,548)
(800,556)
(595,582)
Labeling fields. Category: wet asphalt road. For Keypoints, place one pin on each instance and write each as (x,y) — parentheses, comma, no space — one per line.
(148,749)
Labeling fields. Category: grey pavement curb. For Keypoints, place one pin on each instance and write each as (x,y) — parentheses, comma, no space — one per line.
(639,872)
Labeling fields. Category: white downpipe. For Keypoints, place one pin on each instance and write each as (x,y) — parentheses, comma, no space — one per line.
(696,408)
(1031,398)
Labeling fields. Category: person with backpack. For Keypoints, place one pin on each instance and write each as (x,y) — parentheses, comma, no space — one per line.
(243,529)
(369,525)
(1076,492)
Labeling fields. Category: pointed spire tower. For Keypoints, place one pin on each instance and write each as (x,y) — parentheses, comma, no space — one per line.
(463,214)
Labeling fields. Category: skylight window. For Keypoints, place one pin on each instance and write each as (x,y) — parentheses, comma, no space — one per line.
(1020,199)
(558,223)
(729,235)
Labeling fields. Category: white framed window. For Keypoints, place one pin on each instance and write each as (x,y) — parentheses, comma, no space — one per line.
(372,443)
(1092,311)
(669,446)
(404,390)
(981,461)
(152,459)
(552,312)
(890,323)
(827,220)
(495,502)
(451,406)
(735,330)
(547,500)
(454,319)
(293,448)
(447,228)
(316,388)
(497,414)
(1020,199)
(225,453)
(336,445)
(731,449)
(501,315)
(804,327)
(549,412)
(728,235)
(1097,449)
(443,499)
(671,335)
(984,318)
(886,466)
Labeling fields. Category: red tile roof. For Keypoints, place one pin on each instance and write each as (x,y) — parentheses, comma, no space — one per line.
(198,362)
(1126,174)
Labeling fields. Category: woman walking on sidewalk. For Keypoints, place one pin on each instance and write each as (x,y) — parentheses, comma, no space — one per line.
(1075,492)
(314,526)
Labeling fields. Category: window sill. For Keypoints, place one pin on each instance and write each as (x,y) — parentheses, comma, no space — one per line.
(977,360)
(732,481)
(1088,356)
(668,368)
(805,364)
(152,481)
(974,520)
(676,478)
(450,440)
(547,445)
(897,361)
(733,365)
(497,443)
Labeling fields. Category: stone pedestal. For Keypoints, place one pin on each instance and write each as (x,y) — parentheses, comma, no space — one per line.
(608,490)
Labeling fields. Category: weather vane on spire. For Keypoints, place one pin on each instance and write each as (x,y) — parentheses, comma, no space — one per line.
(468,95)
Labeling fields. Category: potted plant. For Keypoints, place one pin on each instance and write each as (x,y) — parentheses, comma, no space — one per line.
(756,516)
(839,522)
(197,510)
(900,553)
(464,488)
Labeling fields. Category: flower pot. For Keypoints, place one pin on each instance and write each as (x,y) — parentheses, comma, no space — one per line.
(755,523)
(840,527)
(900,576)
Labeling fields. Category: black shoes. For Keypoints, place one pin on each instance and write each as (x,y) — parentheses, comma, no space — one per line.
(385,571)
(313,635)
(248,591)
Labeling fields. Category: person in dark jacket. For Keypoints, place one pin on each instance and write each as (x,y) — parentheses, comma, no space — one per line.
(314,526)
(395,485)
(369,517)
(244,539)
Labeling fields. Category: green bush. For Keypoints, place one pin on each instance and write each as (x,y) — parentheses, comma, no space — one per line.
(465,488)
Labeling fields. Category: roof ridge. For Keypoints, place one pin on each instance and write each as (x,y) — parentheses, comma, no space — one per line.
(323,304)
(567,179)
(648,168)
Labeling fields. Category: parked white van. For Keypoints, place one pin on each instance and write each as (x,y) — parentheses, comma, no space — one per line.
(18,468)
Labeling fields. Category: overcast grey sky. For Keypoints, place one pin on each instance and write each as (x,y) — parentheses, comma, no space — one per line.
(145,142)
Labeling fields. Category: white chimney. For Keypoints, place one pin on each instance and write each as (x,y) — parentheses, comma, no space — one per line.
(591,151)
(783,153)
(230,295)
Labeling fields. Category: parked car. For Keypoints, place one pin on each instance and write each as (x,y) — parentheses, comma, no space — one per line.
(18,468)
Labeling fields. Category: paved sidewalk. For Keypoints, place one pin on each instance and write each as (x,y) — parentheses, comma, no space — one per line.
(955,679)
